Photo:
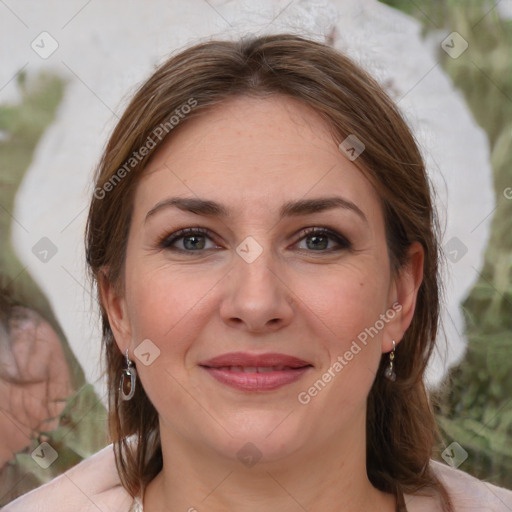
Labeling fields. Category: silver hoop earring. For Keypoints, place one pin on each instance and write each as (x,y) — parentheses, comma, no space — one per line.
(390,370)
(131,373)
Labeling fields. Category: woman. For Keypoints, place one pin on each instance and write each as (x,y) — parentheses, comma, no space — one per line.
(265,248)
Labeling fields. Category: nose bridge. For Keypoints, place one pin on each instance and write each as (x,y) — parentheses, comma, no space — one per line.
(256,276)
(256,296)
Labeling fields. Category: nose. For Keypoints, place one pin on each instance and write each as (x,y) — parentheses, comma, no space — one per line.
(256,298)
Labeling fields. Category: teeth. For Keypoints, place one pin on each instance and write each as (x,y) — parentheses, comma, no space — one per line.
(254,369)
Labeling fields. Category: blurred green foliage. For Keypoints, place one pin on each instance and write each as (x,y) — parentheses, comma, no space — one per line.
(22,125)
(81,433)
(476,408)
(82,428)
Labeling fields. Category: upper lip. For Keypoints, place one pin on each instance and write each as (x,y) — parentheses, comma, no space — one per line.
(254,360)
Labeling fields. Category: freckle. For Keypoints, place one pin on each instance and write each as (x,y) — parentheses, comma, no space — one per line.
(361,284)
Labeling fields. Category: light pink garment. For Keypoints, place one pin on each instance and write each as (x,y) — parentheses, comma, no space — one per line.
(94,485)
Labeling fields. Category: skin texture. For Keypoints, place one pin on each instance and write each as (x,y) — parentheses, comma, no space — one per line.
(253,155)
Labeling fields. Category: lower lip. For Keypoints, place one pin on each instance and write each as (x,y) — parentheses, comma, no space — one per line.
(257,381)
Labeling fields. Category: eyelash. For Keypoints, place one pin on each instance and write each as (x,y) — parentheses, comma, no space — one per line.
(167,241)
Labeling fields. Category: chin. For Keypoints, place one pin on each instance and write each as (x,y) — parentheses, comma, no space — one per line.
(260,439)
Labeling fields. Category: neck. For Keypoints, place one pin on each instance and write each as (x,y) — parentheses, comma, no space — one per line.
(327,476)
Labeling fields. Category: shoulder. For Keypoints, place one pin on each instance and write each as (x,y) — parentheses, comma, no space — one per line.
(91,485)
(94,485)
(468,494)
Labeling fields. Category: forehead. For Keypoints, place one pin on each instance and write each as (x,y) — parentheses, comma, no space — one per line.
(257,151)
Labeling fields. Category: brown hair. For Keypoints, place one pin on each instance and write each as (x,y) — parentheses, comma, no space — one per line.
(401,429)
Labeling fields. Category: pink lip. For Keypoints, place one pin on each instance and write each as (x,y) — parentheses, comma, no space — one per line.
(246,359)
(257,381)
(289,370)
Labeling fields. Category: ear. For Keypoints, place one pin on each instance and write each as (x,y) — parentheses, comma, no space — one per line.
(403,295)
(115,307)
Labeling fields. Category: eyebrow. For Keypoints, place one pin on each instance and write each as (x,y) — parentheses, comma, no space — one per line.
(209,208)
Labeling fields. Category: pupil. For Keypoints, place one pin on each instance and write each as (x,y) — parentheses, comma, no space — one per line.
(319,245)
(194,244)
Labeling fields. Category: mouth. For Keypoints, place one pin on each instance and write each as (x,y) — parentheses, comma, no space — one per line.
(249,372)
(255,369)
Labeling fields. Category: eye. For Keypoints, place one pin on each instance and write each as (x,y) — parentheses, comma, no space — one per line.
(317,239)
(196,240)
(187,240)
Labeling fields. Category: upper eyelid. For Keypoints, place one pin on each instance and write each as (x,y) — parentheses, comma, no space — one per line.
(184,232)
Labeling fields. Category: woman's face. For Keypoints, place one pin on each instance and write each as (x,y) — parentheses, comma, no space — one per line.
(289,259)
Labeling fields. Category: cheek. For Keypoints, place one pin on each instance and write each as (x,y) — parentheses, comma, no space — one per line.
(345,300)
(345,306)
(166,306)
